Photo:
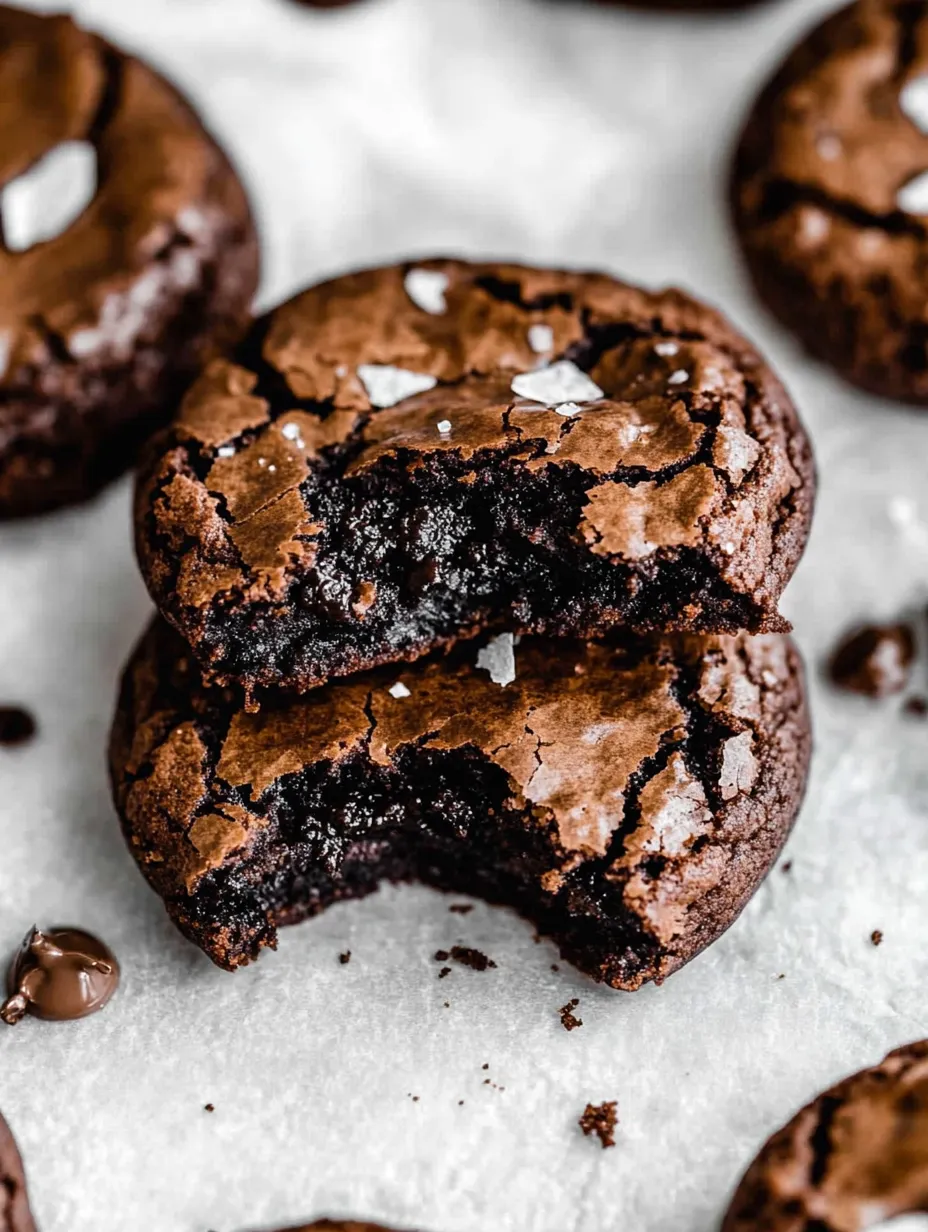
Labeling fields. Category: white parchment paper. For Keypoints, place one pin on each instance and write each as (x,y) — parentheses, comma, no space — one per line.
(555,133)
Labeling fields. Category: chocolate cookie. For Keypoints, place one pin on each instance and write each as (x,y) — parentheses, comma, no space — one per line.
(830,194)
(104,325)
(626,798)
(856,1156)
(15,1215)
(409,455)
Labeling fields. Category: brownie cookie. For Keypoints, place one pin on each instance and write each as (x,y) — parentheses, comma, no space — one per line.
(409,455)
(830,194)
(856,1156)
(103,326)
(627,798)
(15,1215)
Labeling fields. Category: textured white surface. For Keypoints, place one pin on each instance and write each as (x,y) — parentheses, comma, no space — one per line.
(556,133)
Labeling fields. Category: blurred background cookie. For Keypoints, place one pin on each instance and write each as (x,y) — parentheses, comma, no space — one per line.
(830,195)
(128,258)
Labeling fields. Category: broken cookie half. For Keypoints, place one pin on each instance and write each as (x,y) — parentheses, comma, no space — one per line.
(407,456)
(627,797)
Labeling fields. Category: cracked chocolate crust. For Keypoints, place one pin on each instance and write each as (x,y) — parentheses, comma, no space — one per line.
(855,1157)
(105,325)
(627,798)
(815,196)
(292,531)
(15,1215)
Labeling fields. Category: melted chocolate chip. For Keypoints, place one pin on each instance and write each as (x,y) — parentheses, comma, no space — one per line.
(16,725)
(59,975)
(874,660)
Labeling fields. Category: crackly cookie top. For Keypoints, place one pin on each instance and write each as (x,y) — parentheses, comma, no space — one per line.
(833,165)
(854,1158)
(682,433)
(160,183)
(674,733)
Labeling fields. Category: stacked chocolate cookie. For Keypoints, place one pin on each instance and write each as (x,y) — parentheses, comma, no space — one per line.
(469,574)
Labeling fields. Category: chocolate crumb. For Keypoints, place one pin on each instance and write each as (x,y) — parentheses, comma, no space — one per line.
(460,1103)
(468,957)
(917,707)
(600,1119)
(786,867)
(461,908)
(209,1107)
(876,936)
(441,955)
(345,958)
(782,975)
(16,725)
(447,1005)
(486,1065)
(443,972)
(555,967)
(875,660)
(568,1018)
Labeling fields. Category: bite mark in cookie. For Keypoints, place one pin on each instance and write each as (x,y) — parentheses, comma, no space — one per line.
(626,797)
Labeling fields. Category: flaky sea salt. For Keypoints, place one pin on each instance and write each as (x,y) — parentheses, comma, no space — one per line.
(558,384)
(398,690)
(46,199)
(498,658)
(444,427)
(678,377)
(387,385)
(913,197)
(541,339)
(426,289)
(913,99)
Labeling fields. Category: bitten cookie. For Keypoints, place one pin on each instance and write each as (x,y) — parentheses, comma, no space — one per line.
(409,455)
(15,1215)
(830,195)
(103,326)
(856,1156)
(626,798)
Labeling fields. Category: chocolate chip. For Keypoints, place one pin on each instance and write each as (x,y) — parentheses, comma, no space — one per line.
(61,974)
